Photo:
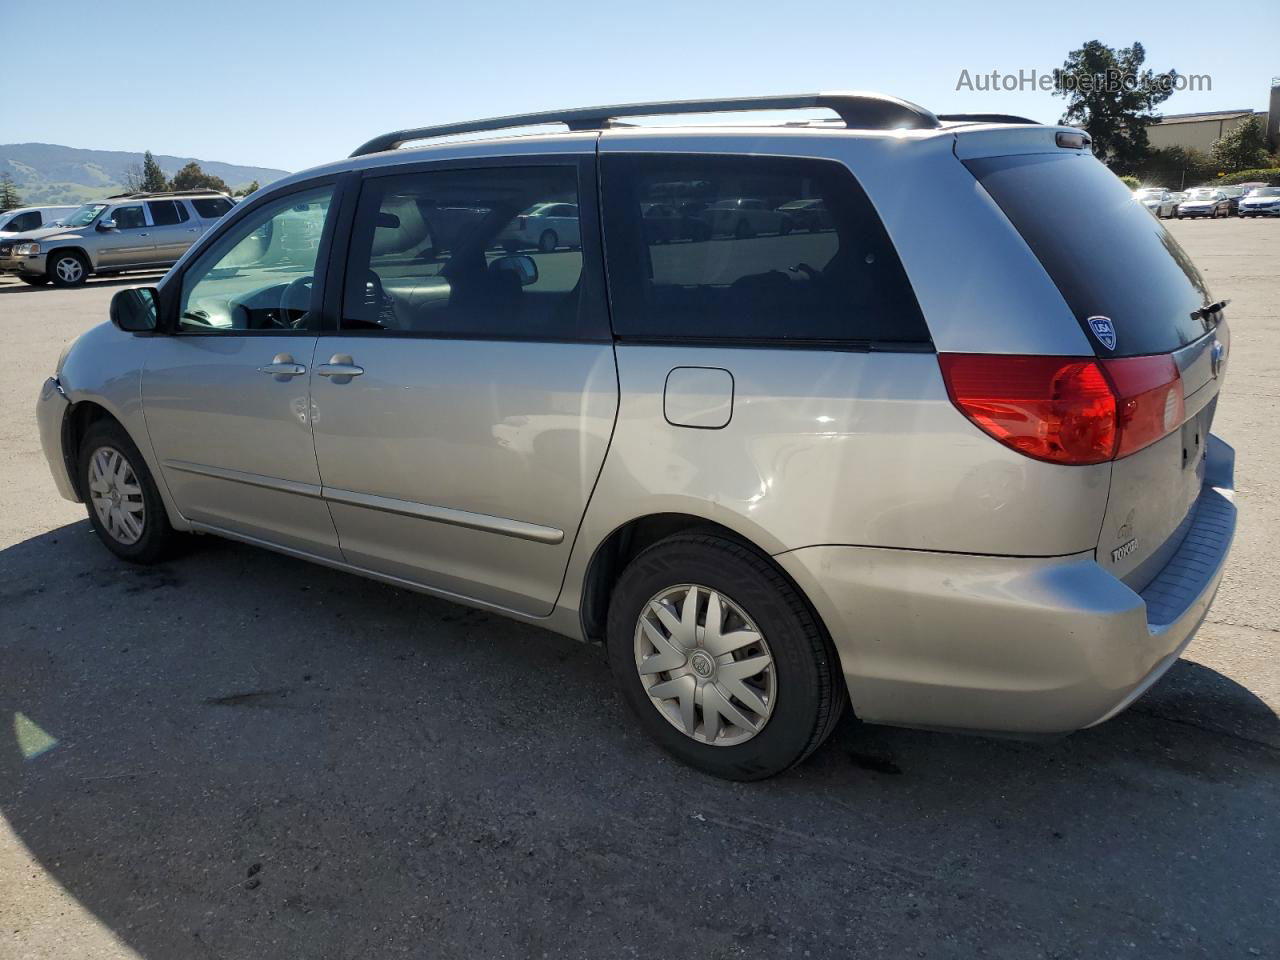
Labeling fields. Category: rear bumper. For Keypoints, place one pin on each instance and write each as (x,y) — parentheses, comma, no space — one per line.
(51,412)
(1008,644)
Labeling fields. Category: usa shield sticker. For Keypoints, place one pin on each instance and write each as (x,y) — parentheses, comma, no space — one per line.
(1104,330)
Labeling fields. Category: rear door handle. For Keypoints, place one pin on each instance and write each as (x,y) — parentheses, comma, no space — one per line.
(283,367)
(338,367)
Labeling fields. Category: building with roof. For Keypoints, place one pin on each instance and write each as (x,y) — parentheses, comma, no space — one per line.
(1197,131)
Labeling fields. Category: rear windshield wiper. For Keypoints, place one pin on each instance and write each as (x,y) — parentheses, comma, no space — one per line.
(1209,312)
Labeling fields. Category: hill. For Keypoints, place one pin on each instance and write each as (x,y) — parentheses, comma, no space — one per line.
(49,173)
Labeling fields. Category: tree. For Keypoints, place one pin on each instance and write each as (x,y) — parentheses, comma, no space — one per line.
(153,180)
(1243,147)
(1110,95)
(133,178)
(251,188)
(191,177)
(1175,167)
(9,198)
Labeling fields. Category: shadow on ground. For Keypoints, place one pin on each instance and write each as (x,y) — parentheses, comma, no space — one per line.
(257,757)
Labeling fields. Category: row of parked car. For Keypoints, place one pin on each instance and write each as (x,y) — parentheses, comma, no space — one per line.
(65,245)
(1246,200)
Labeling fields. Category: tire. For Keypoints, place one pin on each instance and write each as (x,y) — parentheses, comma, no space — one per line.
(155,538)
(67,268)
(548,241)
(33,281)
(784,228)
(743,231)
(802,674)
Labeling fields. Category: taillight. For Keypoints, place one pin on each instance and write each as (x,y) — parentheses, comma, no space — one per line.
(1070,410)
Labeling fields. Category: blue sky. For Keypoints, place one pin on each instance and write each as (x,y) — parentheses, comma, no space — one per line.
(291,85)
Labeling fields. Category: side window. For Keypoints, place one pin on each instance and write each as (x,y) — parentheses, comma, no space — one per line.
(211,208)
(23,221)
(129,218)
(260,274)
(750,248)
(468,253)
(165,213)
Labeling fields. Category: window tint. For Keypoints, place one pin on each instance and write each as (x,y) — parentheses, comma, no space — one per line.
(211,208)
(489,252)
(1108,256)
(259,275)
(165,213)
(751,248)
(129,218)
(23,221)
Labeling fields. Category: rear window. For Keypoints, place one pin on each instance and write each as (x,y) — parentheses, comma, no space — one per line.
(211,208)
(1108,255)
(716,248)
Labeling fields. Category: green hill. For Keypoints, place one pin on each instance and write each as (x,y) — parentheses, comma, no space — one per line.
(49,173)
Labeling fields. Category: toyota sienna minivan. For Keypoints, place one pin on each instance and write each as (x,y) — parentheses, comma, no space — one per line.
(943,459)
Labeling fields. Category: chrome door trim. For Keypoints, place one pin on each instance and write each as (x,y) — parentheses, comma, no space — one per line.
(505,526)
(251,479)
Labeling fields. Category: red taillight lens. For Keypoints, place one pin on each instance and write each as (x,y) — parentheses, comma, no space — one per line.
(1059,409)
(1151,402)
(1071,410)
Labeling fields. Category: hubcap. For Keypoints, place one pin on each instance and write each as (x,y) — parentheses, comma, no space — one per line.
(69,269)
(116,495)
(705,665)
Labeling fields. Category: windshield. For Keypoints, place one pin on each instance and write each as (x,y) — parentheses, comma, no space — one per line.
(85,215)
(1265,192)
(1200,194)
(1148,192)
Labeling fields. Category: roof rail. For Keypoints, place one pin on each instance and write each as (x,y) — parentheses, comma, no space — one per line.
(872,111)
(168,193)
(984,118)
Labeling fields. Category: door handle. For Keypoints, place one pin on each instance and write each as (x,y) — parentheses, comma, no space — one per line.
(339,367)
(283,367)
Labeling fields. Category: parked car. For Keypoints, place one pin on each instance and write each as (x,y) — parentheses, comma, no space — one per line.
(1261,202)
(1233,195)
(667,222)
(1158,200)
(23,219)
(1204,202)
(545,226)
(128,232)
(909,464)
(745,217)
(811,214)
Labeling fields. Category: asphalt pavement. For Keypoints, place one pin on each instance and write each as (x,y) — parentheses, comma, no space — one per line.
(237,754)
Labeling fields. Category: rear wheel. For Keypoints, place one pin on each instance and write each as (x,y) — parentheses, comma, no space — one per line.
(720,659)
(124,505)
(67,269)
(548,241)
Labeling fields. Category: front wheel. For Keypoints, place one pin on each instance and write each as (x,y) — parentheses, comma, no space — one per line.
(548,241)
(124,505)
(67,269)
(721,661)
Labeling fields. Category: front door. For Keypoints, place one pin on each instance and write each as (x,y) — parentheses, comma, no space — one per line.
(463,410)
(128,243)
(226,393)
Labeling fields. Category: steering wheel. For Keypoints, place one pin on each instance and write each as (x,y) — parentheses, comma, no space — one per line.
(298,291)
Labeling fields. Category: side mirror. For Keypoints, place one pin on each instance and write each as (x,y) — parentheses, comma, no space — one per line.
(134,310)
(107,224)
(525,268)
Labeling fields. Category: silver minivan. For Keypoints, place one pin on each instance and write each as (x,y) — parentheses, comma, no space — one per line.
(937,456)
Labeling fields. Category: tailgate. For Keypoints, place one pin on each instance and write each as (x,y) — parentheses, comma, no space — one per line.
(1153,491)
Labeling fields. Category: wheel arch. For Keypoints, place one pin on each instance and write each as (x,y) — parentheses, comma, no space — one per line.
(75,424)
(629,539)
(81,252)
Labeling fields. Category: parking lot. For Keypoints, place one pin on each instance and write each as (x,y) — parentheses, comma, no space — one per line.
(258,757)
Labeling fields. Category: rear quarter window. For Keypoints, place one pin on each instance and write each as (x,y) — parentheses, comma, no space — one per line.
(1105,251)
(211,208)
(714,248)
